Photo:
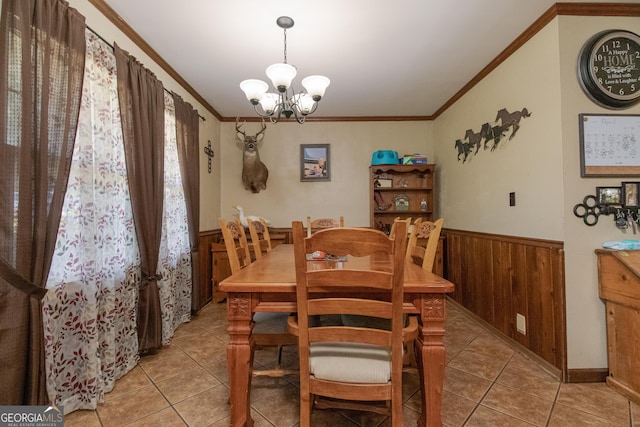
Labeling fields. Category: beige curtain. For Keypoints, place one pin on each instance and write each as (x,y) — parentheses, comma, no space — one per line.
(42,53)
(141,98)
(188,139)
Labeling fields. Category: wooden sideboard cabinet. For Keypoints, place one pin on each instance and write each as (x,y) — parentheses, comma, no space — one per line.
(619,286)
(221,269)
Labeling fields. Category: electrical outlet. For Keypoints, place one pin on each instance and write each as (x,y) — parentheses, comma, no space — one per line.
(521,324)
(512,198)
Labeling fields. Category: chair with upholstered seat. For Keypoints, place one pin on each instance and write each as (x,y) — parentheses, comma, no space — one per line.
(322,223)
(260,238)
(343,366)
(270,328)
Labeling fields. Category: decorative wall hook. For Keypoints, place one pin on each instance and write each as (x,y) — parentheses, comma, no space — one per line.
(608,202)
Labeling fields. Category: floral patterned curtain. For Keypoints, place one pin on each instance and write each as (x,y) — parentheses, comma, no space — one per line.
(90,312)
(174,264)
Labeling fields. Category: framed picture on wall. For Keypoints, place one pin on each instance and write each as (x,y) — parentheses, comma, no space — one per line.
(609,196)
(630,192)
(315,162)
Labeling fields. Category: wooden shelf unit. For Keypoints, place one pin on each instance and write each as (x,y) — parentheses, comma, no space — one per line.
(416,182)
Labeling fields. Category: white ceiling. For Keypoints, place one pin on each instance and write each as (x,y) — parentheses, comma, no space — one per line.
(384,58)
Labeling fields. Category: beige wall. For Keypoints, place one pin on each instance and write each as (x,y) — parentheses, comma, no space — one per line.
(286,198)
(586,327)
(475,194)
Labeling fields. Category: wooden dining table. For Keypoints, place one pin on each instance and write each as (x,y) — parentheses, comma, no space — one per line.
(269,285)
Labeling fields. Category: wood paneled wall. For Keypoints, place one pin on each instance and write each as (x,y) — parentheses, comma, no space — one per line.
(204,248)
(497,277)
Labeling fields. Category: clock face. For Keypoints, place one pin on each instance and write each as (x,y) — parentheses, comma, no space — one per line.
(609,68)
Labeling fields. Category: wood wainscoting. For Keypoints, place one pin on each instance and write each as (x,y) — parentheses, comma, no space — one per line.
(206,238)
(498,277)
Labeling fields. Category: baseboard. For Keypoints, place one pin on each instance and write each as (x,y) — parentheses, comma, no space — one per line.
(587,375)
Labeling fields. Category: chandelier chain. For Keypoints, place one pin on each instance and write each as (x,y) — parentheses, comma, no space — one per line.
(285,45)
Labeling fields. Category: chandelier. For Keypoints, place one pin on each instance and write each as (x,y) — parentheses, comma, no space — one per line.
(285,102)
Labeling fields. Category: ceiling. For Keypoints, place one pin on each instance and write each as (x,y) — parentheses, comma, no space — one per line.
(399,58)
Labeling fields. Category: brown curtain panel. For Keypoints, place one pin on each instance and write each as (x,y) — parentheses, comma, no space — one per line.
(42,53)
(188,140)
(141,98)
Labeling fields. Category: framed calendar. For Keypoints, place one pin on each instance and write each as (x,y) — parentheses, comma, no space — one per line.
(609,145)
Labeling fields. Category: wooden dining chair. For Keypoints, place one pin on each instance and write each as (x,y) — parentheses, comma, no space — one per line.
(322,223)
(425,257)
(270,328)
(342,366)
(260,238)
(424,230)
(393,226)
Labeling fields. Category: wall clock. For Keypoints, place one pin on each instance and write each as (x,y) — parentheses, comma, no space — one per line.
(609,68)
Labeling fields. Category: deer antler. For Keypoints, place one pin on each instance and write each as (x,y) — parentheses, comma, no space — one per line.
(238,127)
(264,127)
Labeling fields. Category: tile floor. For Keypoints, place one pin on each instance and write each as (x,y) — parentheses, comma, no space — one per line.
(487,383)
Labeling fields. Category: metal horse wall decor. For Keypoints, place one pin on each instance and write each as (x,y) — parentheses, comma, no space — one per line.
(490,134)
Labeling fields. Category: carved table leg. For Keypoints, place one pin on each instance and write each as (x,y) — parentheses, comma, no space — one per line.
(431,358)
(239,355)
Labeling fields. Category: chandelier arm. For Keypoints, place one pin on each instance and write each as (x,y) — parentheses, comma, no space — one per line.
(299,119)
(261,113)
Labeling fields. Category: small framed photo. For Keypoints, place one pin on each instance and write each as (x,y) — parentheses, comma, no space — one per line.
(630,192)
(609,196)
(382,181)
(315,162)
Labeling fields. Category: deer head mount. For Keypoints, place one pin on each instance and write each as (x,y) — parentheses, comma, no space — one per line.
(254,172)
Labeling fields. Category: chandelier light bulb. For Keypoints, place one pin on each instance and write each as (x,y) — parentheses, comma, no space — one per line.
(269,102)
(316,86)
(281,75)
(305,103)
(254,89)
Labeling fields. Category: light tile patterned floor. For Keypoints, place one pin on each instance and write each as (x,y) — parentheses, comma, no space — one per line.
(487,383)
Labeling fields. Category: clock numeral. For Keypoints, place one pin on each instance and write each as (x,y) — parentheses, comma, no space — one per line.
(621,92)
